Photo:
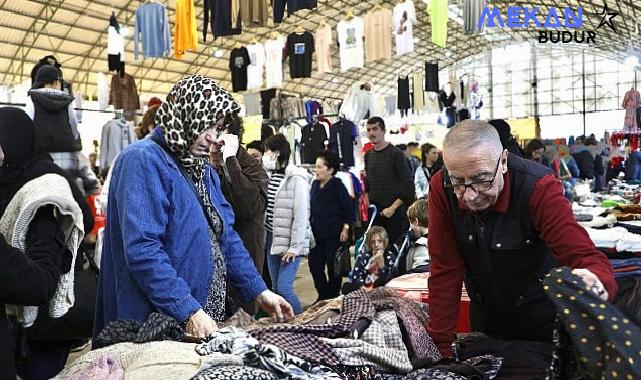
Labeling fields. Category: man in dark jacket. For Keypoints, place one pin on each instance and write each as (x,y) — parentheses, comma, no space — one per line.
(244,185)
(501,223)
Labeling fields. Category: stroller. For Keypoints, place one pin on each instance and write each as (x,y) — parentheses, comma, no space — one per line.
(359,245)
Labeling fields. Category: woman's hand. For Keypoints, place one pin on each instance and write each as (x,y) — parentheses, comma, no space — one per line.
(275,305)
(200,325)
(288,257)
(379,258)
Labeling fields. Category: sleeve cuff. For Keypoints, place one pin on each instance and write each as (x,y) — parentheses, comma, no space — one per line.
(253,289)
(184,308)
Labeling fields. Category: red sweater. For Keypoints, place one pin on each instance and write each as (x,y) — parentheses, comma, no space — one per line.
(552,217)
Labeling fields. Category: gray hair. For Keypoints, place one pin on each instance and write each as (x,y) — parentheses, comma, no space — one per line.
(470,135)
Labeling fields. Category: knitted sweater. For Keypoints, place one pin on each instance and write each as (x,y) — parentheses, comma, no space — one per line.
(54,190)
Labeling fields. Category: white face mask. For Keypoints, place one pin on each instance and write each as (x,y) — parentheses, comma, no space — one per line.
(269,163)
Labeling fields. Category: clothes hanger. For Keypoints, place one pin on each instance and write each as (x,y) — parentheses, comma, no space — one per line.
(237,45)
(299,29)
(322,23)
(254,41)
(274,35)
(378,6)
(349,15)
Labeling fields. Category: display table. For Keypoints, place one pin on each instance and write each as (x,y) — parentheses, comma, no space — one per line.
(414,286)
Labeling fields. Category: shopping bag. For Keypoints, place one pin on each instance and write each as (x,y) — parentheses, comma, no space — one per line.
(342,261)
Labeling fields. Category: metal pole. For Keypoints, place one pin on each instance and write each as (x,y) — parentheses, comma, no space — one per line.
(491,80)
(535,100)
(583,79)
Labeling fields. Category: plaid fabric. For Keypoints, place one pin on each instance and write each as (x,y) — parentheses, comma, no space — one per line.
(413,323)
(356,307)
(305,346)
(68,161)
(381,346)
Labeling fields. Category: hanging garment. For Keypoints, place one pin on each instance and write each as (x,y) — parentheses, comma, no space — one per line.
(357,104)
(631,101)
(323,41)
(116,135)
(123,93)
(266,97)
(102,91)
(378,35)
(403,87)
(342,137)
(431,77)
(274,62)
(390,105)
(185,34)
(404,20)
(350,41)
(238,63)
(437,9)
(472,10)
(152,29)
(254,12)
(256,67)
(252,104)
(432,103)
(313,141)
(299,50)
(221,20)
(115,46)
(292,6)
(419,95)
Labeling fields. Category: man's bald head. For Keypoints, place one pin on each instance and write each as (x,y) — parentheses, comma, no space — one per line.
(472,136)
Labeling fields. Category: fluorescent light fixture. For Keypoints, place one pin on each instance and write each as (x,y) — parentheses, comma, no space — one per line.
(219,53)
(632,61)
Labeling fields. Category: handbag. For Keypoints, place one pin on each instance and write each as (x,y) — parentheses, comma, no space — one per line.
(77,323)
(342,261)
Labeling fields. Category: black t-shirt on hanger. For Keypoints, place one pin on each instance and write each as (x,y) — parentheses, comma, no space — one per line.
(238,62)
(300,47)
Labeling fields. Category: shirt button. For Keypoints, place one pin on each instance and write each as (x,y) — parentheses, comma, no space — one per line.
(498,245)
(528,242)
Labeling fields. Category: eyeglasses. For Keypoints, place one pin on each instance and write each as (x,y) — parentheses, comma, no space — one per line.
(479,186)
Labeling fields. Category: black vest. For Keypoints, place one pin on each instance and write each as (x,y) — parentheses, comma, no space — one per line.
(51,122)
(505,261)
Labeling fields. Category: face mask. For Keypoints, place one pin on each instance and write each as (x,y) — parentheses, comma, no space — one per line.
(269,163)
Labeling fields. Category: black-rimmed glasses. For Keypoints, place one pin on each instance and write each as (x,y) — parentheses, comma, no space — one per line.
(478,186)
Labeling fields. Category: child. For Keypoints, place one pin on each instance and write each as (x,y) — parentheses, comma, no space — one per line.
(416,258)
(374,266)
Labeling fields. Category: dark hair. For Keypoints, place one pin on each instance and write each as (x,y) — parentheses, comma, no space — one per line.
(331,160)
(278,143)
(463,114)
(402,147)
(148,119)
(256,144)
(503,129)
(425,149)
(531,146)
(377,120)
(413,144)
(590,141)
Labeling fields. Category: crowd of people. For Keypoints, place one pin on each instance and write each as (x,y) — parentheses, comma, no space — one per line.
(198,226)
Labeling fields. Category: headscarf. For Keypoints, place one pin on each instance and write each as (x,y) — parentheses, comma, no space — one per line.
(192,106)
(23,162)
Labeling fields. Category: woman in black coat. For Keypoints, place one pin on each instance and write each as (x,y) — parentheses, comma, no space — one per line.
(29,278)
(332,212)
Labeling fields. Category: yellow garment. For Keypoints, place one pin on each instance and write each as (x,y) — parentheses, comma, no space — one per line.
(235,11)
(437,9)
(185,37)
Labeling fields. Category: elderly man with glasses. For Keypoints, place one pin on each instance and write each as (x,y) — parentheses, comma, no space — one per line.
(500,223)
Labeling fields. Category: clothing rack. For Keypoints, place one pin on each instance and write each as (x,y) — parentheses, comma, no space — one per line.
(302,118)
(75,108)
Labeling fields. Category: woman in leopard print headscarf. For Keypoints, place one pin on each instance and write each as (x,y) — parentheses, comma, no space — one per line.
(160,254)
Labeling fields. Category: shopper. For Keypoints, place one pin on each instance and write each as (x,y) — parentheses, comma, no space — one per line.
(413,150)
(148,123)
(374,266)
(169,243)
(286,217)
(505,134)
(413,163)
(332,213)
(256,149)
(30,278)
(584,158)
(535,151)
(633,166)
(569,172)
(429,167)
(388,183)
(243,182)
(415,258)
(56,127)
(502,223)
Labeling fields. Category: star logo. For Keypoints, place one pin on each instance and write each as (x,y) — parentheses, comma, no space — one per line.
(607,17)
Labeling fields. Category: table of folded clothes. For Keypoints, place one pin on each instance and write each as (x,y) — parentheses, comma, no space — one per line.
(363,335)
(414,286)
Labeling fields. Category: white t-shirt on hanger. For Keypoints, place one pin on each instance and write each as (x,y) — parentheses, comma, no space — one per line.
(255,69)
(350,39)
(274,62)
(404,20)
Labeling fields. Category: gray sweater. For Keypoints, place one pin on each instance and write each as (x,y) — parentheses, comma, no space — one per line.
(388,177)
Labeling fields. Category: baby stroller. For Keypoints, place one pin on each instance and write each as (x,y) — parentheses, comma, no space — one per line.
(359,245)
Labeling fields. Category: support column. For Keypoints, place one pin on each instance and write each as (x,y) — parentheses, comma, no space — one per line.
(535,92)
